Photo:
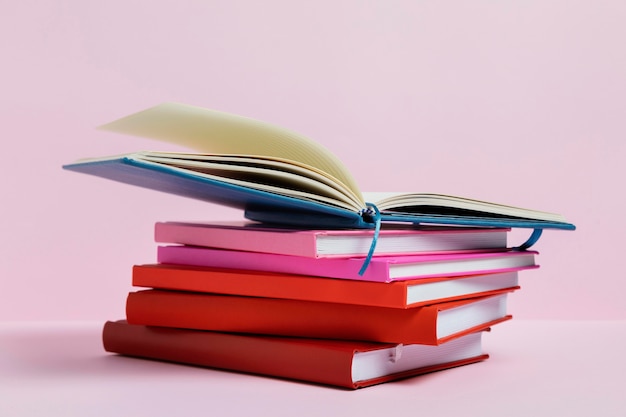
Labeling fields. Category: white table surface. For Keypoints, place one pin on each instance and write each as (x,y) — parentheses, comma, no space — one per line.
(536,368)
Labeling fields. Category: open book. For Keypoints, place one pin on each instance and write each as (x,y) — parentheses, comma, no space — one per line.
(278,176)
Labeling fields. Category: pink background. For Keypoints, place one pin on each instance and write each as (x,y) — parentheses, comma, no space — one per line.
(517,102)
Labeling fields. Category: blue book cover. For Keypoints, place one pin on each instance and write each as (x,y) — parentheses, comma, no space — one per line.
(278,176)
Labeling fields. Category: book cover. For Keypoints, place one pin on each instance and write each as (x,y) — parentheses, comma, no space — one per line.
(380,269)
(393,239)
(398,294)
(431,325)
(278,176)
(345,364)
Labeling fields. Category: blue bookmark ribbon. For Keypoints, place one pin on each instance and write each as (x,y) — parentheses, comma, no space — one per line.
(534,237)
(371,210)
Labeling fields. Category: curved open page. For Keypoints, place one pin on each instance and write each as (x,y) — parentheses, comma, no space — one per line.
(212,131)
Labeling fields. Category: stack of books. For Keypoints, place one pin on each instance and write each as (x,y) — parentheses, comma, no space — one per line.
(318,284)
(291,303)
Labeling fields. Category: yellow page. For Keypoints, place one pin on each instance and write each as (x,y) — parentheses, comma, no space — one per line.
(211,131)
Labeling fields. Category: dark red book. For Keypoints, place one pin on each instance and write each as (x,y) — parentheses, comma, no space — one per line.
(348,364)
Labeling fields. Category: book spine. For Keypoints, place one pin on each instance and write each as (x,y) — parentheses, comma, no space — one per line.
(267,284)
(253,315)
(294,244)
(258,355)
(328,267)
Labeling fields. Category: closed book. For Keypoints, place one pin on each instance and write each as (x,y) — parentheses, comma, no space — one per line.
(346,364)
(398,294)
(380,269)
(393,239)
(431,325)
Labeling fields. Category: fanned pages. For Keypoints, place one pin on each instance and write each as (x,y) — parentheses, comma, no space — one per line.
(196,128)
(278,176)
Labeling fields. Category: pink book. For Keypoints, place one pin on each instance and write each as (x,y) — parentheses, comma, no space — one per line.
(394,239)
(381,269)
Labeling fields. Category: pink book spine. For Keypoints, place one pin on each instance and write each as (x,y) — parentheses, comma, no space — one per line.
(328,267)
(298,244)
(344,268)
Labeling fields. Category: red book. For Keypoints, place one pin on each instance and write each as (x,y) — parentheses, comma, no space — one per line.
(430,325)
(397,294)
(348,364)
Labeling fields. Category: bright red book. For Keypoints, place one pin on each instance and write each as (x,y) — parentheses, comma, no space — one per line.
(429,325)
(347,364)
(398,294)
